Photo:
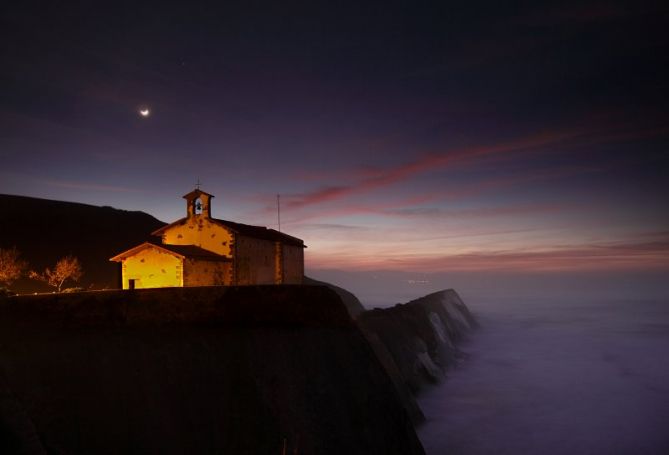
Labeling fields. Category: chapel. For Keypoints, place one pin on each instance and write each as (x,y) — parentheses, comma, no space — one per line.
(199,250)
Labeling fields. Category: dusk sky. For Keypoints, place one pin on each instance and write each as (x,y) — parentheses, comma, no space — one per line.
(415,136)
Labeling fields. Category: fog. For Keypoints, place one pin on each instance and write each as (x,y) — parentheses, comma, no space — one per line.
(555,377)
(562,364)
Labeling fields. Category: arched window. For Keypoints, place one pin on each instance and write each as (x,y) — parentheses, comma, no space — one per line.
(197,206)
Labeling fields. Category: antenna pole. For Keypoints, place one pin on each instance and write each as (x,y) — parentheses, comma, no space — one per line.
(278,210)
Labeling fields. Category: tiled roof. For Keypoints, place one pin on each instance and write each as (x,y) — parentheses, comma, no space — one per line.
(248,230)
(261,232)
(187,251)
(192,251)
(196,193)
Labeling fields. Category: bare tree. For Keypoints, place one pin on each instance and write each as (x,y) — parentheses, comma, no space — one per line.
(67,268)
(11,265)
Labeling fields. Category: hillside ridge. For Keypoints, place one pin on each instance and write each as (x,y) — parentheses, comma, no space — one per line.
(45,230)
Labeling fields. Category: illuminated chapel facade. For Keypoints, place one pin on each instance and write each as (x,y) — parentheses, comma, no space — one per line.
(199,250)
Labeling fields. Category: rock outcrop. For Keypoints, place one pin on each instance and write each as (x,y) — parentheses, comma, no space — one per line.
(417,341)
(267,369)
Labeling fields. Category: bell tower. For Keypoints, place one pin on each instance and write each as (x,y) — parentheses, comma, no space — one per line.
(198,204)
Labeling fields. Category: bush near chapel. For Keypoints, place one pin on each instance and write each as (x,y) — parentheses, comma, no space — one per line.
(11,266)
(67,268)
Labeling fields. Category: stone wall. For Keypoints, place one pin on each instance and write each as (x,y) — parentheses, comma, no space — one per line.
(203,232)
(151,268)
(255,260)
(200,272)
(293,264)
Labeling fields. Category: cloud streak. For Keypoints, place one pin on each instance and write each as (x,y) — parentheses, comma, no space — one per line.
(414,206)
(385,177)
(374,179)
(593,257)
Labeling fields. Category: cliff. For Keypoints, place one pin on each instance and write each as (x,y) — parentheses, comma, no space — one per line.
(417,341)
(350,300)
(194,370)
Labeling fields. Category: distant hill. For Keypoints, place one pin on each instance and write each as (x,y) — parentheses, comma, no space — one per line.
(44,231)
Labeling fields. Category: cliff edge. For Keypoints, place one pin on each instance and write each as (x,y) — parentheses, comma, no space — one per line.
(253,370)
(417,341)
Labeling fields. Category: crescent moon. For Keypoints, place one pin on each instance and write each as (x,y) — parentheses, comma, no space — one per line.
(144,112)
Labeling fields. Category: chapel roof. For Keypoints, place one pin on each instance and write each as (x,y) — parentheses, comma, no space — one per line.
(196,193)
(248,230)
(183,251)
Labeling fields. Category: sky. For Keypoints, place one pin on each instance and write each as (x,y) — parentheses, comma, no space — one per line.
(429,137)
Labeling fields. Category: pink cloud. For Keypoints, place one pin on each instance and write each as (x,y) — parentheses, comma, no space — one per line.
(410,206)
(480,212)
(384,177)
(370,179)
(609,256)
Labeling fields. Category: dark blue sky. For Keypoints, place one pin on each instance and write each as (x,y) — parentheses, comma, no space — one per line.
(408,135)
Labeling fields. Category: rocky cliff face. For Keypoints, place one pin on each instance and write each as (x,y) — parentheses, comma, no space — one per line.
(417,341)
(194,370)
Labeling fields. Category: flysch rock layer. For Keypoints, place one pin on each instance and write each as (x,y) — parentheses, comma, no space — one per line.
(417,341)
